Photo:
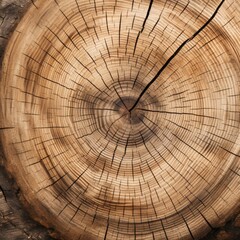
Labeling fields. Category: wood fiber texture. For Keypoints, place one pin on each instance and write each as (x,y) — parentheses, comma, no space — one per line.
(120,119)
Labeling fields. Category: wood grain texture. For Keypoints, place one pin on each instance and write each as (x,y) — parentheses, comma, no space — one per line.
(15,222)
(97,152)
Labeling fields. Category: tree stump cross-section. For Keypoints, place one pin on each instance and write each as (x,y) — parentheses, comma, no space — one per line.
(123,116)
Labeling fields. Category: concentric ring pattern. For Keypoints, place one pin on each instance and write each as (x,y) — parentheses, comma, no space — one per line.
(89,167)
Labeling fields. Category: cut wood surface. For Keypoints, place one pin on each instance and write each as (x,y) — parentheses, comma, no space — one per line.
(120,119)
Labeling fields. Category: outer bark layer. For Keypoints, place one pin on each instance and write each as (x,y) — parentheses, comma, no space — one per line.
(15,224)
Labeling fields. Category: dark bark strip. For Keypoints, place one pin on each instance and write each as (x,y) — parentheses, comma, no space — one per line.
(175,54)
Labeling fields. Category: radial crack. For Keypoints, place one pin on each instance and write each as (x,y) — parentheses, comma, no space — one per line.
(148,12)
(176,53)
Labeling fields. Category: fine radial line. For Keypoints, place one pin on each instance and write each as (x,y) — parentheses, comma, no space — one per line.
(175,53)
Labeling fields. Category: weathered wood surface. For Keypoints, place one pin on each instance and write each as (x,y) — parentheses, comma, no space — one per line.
(15,224)
(10,13)
(64,189)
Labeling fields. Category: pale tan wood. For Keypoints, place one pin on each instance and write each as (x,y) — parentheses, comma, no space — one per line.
(87,166)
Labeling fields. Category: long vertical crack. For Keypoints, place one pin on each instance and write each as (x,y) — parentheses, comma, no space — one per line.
(175,54)
(148,12)
(143,26)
